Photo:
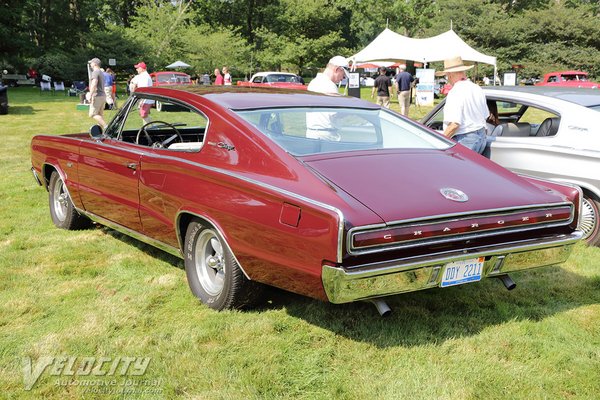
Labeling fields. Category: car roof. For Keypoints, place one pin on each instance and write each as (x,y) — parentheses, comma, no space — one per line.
(582,96)
(168,72)
(248,98)
(571,72)
(273,73)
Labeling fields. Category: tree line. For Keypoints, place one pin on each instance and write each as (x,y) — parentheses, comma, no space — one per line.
(57,37)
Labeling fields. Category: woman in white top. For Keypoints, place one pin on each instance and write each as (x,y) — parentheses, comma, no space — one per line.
(226,76)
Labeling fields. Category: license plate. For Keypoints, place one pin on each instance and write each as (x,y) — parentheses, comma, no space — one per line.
(465,271)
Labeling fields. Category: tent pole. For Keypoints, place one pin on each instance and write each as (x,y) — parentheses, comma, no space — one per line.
(495,74)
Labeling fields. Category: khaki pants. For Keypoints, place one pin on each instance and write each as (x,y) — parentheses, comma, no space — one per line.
(97,105)
(383,101)
(404,101)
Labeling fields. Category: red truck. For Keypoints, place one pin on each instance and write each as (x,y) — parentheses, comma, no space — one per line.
(568,79)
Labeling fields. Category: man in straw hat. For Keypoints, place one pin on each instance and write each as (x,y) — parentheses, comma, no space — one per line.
(466,109)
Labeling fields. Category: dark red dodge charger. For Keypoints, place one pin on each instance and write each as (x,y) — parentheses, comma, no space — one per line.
(330,197)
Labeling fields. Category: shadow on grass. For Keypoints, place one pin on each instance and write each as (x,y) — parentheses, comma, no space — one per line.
(436,315)
(430,316)
(21,110)
(146,248)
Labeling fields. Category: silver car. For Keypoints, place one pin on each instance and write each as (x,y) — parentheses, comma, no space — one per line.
(549,132)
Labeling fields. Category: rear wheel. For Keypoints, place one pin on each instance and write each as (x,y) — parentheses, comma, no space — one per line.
(589,221)
(63,212)
(212,272)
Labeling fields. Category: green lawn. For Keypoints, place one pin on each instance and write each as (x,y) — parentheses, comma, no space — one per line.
(97,293)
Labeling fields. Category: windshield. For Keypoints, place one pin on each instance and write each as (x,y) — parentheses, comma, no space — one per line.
(302,131)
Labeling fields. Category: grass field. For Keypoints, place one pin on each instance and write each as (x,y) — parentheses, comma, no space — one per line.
(90,294)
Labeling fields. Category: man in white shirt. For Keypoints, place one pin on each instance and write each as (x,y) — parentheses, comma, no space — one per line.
(319,125)
(327,81)
(142,79)
(466,110)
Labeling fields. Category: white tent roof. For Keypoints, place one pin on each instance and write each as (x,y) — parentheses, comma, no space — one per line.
(178,64)
(391,46)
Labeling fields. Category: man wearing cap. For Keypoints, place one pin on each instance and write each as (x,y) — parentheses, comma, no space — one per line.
(142,79)
(320,124)
(466,110)
(327,81)
(97,97)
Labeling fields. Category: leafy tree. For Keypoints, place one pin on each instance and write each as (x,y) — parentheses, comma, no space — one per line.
(161,26)
(207,49)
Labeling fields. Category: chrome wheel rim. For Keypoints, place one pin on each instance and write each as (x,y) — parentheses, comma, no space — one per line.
(589,218)
(60,198)
(210,262)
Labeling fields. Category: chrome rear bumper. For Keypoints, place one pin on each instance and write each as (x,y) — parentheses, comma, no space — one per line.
(344,285)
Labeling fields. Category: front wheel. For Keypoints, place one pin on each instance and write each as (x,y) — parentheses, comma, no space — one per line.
(212,272)
(63,212)
(589,221)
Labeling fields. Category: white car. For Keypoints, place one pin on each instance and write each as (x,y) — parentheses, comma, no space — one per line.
(548,132)
(275,79)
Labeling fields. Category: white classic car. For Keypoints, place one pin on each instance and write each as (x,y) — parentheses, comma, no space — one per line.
(549,132)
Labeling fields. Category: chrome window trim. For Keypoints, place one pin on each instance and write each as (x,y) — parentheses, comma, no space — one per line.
(154,97)
(455,217)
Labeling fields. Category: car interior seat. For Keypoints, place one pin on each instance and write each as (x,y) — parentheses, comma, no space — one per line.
(514,129)
(549,127)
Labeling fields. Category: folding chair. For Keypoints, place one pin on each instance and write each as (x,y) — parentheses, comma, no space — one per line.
(77,88)
(60,86)
(45,87)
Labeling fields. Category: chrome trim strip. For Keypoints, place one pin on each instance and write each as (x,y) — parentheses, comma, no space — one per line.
(421,242)
(564,183)
(477,212)
(344,285)
(134,234)
(36,177)
(181,239)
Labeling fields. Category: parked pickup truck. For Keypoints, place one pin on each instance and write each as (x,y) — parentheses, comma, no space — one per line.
(283,80)
(568,79)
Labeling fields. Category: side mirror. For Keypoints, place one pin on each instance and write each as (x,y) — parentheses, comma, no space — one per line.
(96,132)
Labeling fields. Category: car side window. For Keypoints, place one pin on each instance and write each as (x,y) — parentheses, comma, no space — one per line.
(163,124)
(536,116)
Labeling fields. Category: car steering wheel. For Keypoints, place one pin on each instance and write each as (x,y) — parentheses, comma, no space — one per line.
(158,144)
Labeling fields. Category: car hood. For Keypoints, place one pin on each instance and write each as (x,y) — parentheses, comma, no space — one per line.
(401,185)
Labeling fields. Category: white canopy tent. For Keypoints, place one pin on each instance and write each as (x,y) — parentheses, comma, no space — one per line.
(391,46)
(178,64)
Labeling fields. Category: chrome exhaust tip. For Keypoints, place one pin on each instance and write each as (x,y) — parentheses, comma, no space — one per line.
(509,284)
(382,307)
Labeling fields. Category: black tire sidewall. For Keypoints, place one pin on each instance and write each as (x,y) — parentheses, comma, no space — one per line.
(220,301)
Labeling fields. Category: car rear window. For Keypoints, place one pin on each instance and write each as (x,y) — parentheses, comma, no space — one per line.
(302,131)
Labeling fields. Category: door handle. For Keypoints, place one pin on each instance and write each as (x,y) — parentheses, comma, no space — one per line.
(132,166)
